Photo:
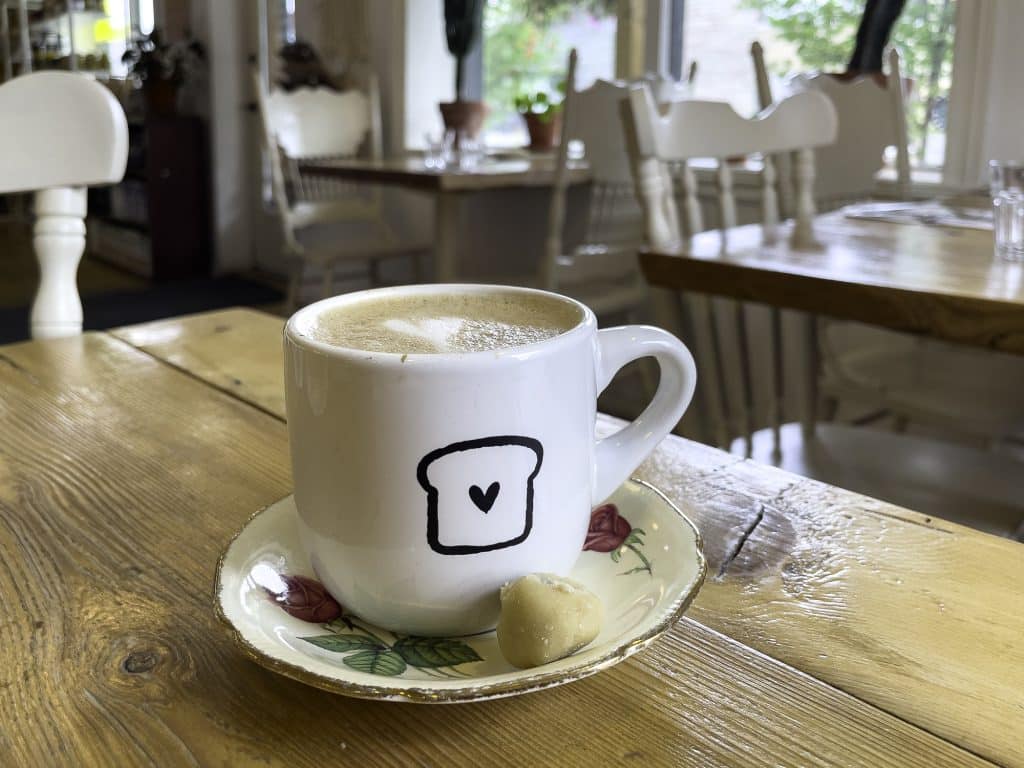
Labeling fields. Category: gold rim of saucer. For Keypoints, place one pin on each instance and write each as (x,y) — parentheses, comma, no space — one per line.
(472,692)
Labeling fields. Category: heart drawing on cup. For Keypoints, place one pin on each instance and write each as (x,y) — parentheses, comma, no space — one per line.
(510,463)
(484,501)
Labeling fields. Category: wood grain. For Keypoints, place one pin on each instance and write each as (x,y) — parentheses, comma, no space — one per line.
(120,480)
(915,615)
(197,344)
(940,281)
(411,172)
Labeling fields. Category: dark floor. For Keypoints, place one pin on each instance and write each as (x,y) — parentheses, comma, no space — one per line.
(112,297)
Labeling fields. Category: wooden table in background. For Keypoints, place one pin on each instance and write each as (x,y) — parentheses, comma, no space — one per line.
(832,630)
(448,185)
(943,282)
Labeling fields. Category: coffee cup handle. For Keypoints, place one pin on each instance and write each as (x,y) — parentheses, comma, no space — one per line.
(618,454)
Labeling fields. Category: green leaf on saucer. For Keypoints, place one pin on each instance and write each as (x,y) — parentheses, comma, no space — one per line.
(342,643)
(377,662)
(434,651)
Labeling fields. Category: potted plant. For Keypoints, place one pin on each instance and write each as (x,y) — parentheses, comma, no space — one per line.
(160,69)
(462,21)
(543,116)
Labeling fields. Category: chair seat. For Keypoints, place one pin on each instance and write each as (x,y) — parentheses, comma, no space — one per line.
(343,240)
(605,277)
(974,392)
(954,482)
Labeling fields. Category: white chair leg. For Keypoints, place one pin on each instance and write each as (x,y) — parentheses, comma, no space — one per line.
(59,241)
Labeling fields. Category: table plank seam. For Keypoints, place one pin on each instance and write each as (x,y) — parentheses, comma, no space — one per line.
(909,723)
(195,377)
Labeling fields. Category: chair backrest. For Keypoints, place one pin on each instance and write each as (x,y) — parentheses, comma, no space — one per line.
(61,133)
(319,123)
(663,140)
(613,216)
(685,130)
(872,116)
(39,150)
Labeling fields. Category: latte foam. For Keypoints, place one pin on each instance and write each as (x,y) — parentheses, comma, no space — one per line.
(444,323)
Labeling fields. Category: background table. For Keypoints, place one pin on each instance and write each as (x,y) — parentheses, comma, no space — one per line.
(941,281)
(447,185)
(832,630)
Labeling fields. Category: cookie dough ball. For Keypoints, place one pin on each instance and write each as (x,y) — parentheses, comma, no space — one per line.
(546,617)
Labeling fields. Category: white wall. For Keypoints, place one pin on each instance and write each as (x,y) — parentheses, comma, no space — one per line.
(225,27)
(986,98)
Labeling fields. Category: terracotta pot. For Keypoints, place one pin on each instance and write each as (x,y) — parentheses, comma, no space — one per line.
(465,117)
(544,134)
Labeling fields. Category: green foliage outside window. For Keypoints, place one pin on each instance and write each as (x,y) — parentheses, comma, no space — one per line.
(824,31)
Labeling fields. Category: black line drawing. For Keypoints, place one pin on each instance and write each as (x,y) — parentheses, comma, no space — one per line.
(483,499)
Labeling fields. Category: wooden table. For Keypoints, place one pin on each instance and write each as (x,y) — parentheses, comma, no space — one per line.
(940,281)
(832,630)
(448,186)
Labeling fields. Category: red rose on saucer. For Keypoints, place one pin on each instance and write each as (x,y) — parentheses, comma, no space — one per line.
(306,599)
(607,529)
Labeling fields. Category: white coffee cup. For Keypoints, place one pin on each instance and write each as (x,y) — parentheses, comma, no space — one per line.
(426,481)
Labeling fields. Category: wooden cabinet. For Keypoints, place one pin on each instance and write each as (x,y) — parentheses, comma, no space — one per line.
(157,221)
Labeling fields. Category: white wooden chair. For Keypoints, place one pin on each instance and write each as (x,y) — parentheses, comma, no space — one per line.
(61,133)
(324,221)
(602,271)
(871,118)
(968,393)
(943,479)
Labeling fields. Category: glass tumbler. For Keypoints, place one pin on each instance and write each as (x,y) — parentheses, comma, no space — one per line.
(1007,186)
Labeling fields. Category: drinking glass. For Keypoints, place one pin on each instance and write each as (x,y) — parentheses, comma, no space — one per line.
(470,152)
(438,152)
(1007,186)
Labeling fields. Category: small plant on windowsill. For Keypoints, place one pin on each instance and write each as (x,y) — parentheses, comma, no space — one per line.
(543,115)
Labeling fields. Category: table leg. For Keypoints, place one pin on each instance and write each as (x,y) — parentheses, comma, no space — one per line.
(445,234)
(59,241)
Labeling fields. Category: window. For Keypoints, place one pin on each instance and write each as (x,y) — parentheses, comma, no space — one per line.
(802,35)
(526,46)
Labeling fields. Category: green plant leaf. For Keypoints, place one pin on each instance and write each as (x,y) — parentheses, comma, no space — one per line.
(434,651)
(616,554)
(343,643)
(540,98)
(379,662)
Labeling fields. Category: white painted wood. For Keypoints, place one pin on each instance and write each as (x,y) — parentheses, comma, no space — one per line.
(781,161)
(692,128)
(62,132)
(556,213)
(871,118)
(726,201)
(319,123)
(769,200)
(803,227)
(896,88)
(688,130)
(696,129)
(602,271)
(60,129)
(59,241)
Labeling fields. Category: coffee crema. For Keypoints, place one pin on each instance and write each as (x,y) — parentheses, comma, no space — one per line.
(439,323)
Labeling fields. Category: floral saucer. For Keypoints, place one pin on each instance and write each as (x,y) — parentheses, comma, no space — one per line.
(642,557)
